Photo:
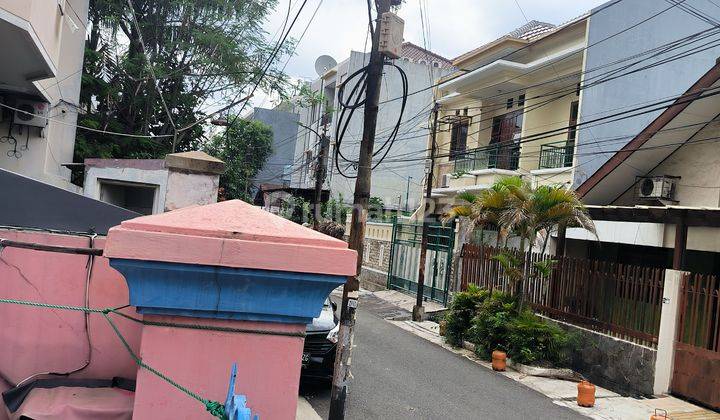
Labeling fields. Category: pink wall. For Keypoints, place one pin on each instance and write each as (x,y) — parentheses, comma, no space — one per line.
(268,368)
(40,340)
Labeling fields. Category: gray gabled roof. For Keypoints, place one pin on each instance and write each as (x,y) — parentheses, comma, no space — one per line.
(33,204)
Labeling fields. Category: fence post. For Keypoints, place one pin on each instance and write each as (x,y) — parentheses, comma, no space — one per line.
(669,313)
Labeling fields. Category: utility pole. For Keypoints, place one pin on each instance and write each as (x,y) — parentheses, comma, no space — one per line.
(359,217)
(418,310)
(320,173)
(407,193)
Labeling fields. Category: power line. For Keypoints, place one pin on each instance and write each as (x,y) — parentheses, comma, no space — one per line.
(564,58)
(152,73)
(95,130)
(536,106)
(658,50)
(709,92)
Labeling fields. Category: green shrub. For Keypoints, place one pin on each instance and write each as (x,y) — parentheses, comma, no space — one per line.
(535,341)
(461,312)
(524,336)
(492,323)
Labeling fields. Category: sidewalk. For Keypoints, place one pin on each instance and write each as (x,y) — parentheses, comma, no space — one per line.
(305,411)
(608,405)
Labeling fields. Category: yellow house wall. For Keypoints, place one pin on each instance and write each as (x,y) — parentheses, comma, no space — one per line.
(444,135)
(564,177)
(551,116)
(554,43)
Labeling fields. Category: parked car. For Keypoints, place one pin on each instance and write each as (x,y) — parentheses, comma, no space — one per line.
(318,360)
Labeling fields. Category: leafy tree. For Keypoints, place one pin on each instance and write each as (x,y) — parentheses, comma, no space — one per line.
(244,146)
(486,208)
(296,209)
(334,209)
(205,56)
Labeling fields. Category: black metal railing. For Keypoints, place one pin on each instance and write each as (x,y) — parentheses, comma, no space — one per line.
(495,156)
(556,155)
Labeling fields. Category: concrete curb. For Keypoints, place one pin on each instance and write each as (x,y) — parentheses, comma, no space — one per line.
(608,404)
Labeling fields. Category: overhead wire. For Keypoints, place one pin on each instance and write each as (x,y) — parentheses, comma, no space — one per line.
(598,10)
(151,70)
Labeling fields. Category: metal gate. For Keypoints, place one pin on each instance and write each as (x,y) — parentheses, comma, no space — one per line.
(405,259)
(697,350)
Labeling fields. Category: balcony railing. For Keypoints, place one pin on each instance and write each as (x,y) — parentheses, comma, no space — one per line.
(556,155)
(496,156)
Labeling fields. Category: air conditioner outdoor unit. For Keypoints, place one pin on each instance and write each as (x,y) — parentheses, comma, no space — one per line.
(657,188)
(32,113)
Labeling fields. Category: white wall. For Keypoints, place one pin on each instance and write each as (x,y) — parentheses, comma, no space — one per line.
(54,146)
(158,177)
(187,189)
(389,181)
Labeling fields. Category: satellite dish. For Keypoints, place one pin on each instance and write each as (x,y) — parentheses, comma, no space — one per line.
(323,64)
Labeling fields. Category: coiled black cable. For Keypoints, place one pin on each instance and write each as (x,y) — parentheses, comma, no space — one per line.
(355,100)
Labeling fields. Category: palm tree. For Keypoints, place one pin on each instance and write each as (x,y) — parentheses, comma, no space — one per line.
(537,211)
(516,208)
(485,208)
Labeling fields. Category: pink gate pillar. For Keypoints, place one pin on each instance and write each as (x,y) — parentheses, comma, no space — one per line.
(224,265)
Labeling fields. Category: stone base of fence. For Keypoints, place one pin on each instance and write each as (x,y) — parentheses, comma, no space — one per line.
(613,363)
(372,279)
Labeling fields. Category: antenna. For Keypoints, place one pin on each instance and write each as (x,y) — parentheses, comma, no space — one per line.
(323,64)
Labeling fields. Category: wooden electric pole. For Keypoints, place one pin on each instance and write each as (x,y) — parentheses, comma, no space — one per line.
(359,217)
(418,310)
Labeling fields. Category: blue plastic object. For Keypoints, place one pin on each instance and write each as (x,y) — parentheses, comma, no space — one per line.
(235,405)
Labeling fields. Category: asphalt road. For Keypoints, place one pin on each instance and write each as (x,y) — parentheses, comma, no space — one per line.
(398,375)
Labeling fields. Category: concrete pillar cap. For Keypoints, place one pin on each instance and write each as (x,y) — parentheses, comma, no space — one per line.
(230,234)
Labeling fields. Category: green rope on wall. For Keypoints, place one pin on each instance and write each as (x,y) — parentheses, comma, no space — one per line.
(213,407)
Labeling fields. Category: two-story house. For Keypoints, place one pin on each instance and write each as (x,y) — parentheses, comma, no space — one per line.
(504,94)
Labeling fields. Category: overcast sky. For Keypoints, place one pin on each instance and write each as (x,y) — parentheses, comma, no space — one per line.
(456,26)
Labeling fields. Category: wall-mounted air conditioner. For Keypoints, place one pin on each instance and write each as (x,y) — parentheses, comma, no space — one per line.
(32,113)
(656,188)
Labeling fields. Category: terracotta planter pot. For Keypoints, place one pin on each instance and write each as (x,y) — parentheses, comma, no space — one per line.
(499,360)
(586,394)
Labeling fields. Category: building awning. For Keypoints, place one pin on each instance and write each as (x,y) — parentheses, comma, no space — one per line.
(689,216)
(677,125)
(513,72)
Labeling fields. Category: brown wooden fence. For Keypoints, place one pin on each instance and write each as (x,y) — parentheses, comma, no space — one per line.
(697,349)
(618,299)
(699,323)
